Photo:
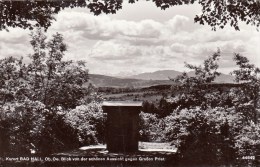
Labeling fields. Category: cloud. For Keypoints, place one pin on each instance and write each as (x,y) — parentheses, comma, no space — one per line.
(178,48)
(15,43)
(14,36)
(104,27)
(177,23)
(113,44)
(111,51)
(104,39)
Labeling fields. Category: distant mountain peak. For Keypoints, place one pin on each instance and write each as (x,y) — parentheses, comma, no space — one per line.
(167,74)
(157,75)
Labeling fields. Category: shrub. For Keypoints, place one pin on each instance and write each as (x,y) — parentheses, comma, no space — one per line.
(57,135)
(213,136)
(150,127)
(248,139)
(21,125)
(88,120)
(30,126)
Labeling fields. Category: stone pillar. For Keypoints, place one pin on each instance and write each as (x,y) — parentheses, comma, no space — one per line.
(122,131)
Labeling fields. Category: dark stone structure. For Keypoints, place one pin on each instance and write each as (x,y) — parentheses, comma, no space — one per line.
(122,125)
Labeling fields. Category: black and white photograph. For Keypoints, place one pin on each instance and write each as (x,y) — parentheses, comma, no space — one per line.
(129,83)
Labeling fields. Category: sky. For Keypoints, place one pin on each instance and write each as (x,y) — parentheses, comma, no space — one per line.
(140,38)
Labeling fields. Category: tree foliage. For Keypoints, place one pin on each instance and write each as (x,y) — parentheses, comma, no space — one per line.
(34,98)
(27,14)
(21,125)
(211,124)
(13,80)
(247,72)
(89,123)
(219,13)
(203,74)
(55,82)
(211,137)
(47,78)
(248,75)
(151,128)
(193,90)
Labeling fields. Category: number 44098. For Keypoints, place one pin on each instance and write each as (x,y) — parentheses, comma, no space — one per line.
(249,157)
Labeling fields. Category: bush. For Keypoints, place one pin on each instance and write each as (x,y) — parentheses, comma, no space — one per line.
(151,127)
(89,122)
(247,139)
(21,125)
(57,135)
(213,136)
(30,126)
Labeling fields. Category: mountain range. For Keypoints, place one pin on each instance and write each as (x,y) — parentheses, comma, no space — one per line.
(171,74)
(161,77)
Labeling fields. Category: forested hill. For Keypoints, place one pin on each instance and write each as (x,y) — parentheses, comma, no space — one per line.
(108,81)
(145,79)
(166,74)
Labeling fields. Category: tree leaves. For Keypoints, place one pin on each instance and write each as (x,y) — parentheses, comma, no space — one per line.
(89,122)
(34,97)
(47,78)
(195,88)
(55,82)
(217,14)
(247,72)
(222,131)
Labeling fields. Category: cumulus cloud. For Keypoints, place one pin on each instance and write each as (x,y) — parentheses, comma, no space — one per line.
(114,51)
(111,45)
(14,36)
(178,48)
(14,43)
(177,23)
(103,27)
(139,43)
